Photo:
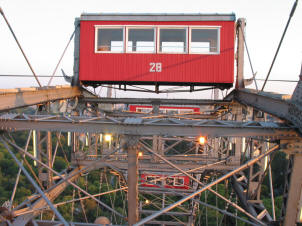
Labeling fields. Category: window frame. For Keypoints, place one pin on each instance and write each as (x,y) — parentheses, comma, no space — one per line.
(156,180)
(172,27)
(179,178)
(157,29)
(97,27)
(218,28)
(141,27)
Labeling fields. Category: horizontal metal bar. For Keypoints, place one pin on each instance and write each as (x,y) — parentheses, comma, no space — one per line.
(148,127)
(156,166)
(167,213)
(150,101)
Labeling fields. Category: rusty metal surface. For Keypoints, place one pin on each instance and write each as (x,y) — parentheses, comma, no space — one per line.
(23,97)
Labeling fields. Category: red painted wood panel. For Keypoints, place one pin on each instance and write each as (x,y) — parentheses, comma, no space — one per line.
(134,67)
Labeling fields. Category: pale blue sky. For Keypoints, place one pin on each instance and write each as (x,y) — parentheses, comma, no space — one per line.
(44,27)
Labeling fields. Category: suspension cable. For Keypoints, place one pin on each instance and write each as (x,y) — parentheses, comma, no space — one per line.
(284,32)
(248,55)
(15,37)
(55,70)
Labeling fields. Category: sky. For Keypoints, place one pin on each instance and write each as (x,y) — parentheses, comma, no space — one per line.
(44,28)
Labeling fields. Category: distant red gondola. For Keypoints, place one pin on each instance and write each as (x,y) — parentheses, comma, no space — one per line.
(164,109)
(166,181)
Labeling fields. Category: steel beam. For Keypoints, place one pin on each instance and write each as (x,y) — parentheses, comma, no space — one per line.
(271,103)
(132,178)
(240,26)
(147,127)
(294,194)
(278,105)
(157,101)
(23,97)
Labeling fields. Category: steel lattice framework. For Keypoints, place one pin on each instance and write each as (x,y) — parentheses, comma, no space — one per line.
(243,132)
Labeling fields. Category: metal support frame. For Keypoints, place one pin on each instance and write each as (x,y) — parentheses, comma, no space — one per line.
(244,166)
(23,97)
(227,132)
(240,27)
(131,148)
(293,204)
(147,127)
(34,184)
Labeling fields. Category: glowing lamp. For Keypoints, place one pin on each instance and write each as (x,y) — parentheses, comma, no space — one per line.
(140,154)
(108,137)
(202,140)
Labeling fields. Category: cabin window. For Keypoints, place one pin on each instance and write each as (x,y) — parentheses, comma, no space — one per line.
(179,181)
(173,40)
(110,40)
(153,180)
(170,181)
(204,40)
(141,40)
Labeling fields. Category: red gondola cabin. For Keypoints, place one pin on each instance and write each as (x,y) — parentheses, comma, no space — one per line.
(155,49)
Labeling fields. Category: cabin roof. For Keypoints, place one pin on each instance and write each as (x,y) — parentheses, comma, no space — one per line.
(156,17)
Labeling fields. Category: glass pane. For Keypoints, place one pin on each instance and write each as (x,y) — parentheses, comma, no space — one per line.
(170,181)
(110,39)
(204,41)
(173,41)
(179,181)
(141,40)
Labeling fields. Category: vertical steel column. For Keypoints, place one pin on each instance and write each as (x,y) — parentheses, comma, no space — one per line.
(240,27)
(49,160)
(155,148)
(39,155)
(131,147)
(292,206)
(237,111)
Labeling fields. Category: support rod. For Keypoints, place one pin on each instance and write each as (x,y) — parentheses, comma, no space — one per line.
(272,191)
(19,172)
(280,43)
(115,190)
(244,166)
(15,37)
(34,183)
(68,181)
(202,184)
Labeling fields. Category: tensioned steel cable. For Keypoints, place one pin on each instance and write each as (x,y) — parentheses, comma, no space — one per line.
(55,70)
(15,37)
(284,32)
(248,55)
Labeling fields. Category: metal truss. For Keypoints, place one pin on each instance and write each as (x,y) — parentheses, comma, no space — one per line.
(239,150)
(146,127)
(275,104)
(156,101)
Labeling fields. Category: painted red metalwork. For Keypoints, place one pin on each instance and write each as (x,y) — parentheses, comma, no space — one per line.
(156,181)
(97,68)
(164,109)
